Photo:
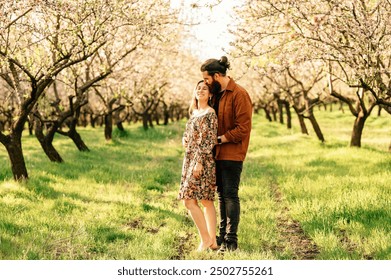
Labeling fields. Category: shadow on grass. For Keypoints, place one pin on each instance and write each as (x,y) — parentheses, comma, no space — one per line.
(337,222)
(13,229)
(320,167)
(383,254)
(104,234)
(333,145)
(383,165)
(40,186)
(8,246)
(279,170)
(155,134)
(375,218)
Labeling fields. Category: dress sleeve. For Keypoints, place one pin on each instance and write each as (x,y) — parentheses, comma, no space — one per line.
(208,137)
(185,138)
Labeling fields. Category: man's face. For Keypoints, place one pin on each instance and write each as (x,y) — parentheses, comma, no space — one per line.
(207,78)
(212,81)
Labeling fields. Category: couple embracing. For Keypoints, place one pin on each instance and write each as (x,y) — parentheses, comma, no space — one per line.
(216,140)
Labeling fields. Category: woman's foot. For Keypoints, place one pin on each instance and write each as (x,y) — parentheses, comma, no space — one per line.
(205,246)
(214,246)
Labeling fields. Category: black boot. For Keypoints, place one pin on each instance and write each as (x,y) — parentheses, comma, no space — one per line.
(228,246)
(220,240)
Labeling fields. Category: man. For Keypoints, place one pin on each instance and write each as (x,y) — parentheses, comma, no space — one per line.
(233,107)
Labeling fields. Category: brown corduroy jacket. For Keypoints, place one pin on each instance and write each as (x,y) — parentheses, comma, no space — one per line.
(234,121)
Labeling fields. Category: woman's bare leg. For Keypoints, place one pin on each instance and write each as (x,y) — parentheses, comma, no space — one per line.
(200,222)
(211,220)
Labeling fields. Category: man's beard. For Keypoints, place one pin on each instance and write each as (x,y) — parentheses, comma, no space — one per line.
(215,87)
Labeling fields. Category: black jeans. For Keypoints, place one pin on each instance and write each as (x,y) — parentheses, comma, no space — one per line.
(227,179)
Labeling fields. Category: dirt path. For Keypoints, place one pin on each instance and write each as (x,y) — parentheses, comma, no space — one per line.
(291,231)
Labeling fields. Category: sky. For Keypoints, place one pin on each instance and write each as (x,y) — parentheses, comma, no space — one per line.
(211,35)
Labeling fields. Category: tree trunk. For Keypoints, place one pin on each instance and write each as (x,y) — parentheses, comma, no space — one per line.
(99,121)
(120,126)
(288,114)
(92,120)
(145,120)
(46,142)
(166,117)
(76,138)
(51,152)
(72,132)
(30,124)
(274,112)
(108,126)
(301,121)
(150,121)
(280,111)
(358,128)
(303,127)
(316,126)
(157,120)
(341,107)
(84,119)
(268,117)
(15,153)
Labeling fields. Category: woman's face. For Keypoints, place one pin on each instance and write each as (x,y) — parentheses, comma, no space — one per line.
(202,92)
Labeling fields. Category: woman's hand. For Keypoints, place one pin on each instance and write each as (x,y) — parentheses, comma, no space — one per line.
(197,170)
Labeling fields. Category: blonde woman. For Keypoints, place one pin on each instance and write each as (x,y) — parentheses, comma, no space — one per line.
(198,181)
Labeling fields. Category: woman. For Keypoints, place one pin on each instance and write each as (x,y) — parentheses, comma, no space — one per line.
(198,182)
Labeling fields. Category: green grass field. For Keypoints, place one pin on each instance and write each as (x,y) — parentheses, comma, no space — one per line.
(301,199)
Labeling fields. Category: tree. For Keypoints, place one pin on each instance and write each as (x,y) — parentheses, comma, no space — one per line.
(27,34)
(350,36)
(47,42)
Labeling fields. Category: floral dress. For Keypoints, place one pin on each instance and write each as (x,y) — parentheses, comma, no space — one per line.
(200,135)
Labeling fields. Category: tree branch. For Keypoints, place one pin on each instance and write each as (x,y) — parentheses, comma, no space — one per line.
(346,100)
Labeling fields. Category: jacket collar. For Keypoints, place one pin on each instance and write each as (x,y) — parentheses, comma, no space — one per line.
(231,84)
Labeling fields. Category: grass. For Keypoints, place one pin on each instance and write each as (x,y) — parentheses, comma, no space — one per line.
(118,201)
